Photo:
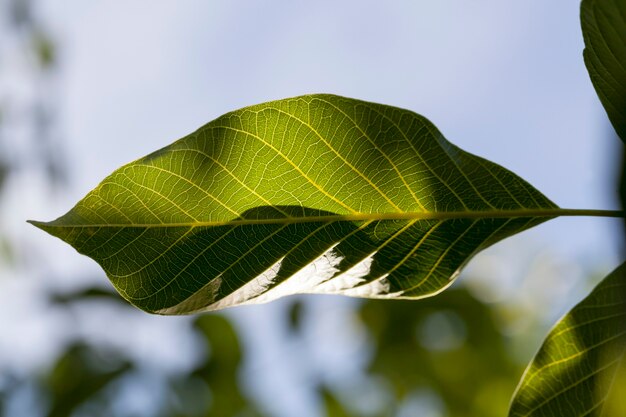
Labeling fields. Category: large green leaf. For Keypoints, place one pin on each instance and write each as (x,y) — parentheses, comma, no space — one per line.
(604,31)
(314,194)
(580,369)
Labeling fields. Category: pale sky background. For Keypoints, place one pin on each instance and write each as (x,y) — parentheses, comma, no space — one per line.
(503,80)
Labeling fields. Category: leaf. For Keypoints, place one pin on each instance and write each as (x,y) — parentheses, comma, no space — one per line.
(314,194)
(79,375)
(575,371)
(604,32)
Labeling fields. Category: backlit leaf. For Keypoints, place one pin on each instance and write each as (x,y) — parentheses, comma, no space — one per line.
(314,194)
(580,369)
(604,31)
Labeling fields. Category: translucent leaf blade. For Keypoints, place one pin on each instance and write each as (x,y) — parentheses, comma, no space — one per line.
(314,194)
(580,369)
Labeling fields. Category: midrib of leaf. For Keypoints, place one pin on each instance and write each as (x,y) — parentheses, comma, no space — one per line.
(434,215)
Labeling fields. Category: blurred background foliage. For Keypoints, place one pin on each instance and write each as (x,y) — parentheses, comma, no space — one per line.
(29,136)
(450,355)
(443,356)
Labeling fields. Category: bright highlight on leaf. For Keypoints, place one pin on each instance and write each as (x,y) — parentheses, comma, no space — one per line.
(314,194)
(580,369)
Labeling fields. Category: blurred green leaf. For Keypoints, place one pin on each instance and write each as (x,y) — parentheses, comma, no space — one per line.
(4,171)
(79,375)
(574,372)
(295,316)
(44,49)
(7,254)
(332,405)
(219,369)
(314,194)
(604,31)
(86,294)
(465,361)
(189,397)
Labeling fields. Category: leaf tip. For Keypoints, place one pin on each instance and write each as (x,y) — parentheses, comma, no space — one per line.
(45,226)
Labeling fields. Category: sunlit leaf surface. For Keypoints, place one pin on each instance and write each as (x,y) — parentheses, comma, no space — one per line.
(579,370)
(604,30)
(314,194)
